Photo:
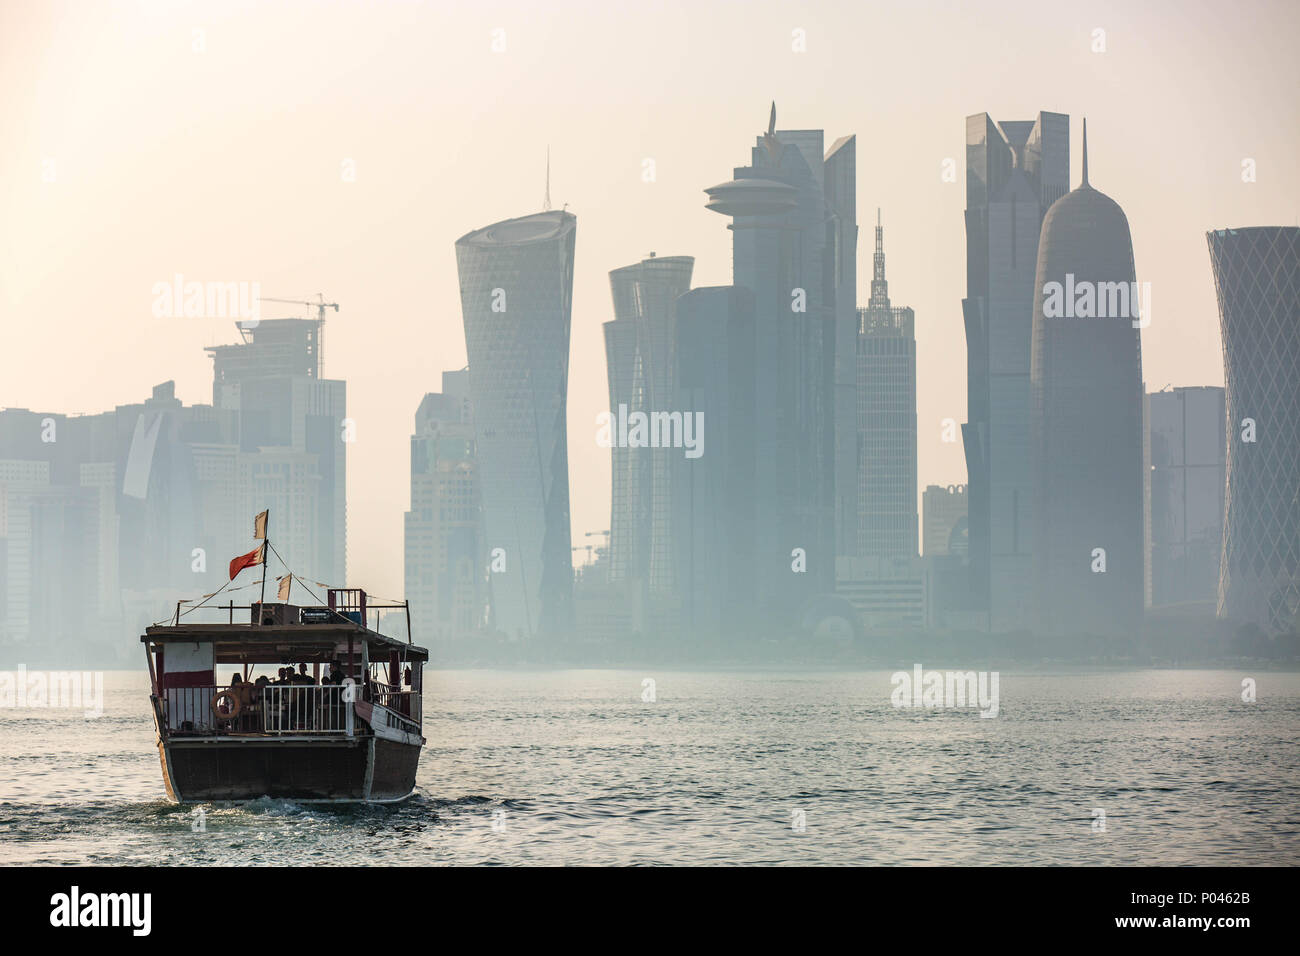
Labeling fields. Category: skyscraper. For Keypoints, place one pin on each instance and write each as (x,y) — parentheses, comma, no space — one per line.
(1257,278)
(628,536)
(1015,170)
(445,567)
(516,291)
(779,229)
(1085,430)
(714,513)
(291,419)
(645,296)
(840,187)
(1187,473)
(886,422)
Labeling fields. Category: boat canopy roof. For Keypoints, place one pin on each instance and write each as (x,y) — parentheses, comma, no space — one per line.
(283,643)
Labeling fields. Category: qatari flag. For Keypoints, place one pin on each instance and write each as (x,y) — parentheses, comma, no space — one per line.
(246,561)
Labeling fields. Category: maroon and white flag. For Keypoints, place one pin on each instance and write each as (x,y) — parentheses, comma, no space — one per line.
(256,556)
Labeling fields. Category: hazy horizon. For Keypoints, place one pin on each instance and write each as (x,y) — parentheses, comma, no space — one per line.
(225,165)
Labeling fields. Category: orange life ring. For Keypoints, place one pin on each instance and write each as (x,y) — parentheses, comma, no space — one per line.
(234,707)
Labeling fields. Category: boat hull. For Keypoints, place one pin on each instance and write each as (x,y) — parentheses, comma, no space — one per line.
(330,770)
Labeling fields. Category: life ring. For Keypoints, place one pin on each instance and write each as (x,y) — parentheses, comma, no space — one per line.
(234,706)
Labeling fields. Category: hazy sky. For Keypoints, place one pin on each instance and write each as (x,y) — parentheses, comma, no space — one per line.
(210,139)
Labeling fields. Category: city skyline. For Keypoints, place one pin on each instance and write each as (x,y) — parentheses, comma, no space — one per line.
(699,434)
(382,250)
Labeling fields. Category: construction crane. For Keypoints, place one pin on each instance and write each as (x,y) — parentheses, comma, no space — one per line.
(588,547)
(320,306)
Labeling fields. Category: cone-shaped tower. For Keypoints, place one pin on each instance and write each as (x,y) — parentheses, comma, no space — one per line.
(1086,419)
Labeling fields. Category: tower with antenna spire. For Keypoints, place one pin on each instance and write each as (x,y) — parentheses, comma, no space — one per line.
(886,426)
(1086,421)
(1085,153)
(879,287)
(783,241)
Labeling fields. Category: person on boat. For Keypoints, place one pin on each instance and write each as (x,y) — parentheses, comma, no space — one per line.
(243,689)
(245,693)
(303,677)
(334,700)
(257,688)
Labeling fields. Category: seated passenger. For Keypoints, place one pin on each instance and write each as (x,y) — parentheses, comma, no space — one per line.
(245,691)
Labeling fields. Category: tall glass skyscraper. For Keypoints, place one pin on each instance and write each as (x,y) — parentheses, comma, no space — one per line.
(645,296)
(1085,425)
(841,174)
(1257,278)
(779,248)
(1015,170)
(713,494)
(516,293)
(627,532)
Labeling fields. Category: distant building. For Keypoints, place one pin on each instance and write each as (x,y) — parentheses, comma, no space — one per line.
(840,175)
(1187,473)
(293,422)
(629,544)
(50,542)
(602,613)
(645,302)
(886,422)
(782,232)
(516,291)
(945,520)
(1085,426)
(446,565)
(1015,170)
(112,518)
(1257,278)
(886,592)
(714,503)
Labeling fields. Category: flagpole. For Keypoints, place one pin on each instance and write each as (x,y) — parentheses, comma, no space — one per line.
(266,546)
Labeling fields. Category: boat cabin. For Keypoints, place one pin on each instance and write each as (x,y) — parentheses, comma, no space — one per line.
(284,671)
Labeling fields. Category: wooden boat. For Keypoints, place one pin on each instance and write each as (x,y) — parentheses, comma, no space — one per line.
(347,729)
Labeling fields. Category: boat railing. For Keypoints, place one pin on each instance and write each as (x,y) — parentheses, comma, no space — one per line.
(307,709)
(188,710)
(404,702)
(280,709)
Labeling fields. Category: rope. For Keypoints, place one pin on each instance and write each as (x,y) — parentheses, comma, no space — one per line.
(294,576)
(208,597)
